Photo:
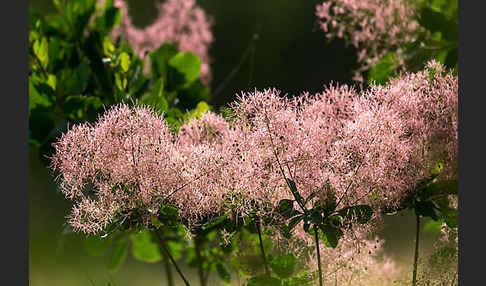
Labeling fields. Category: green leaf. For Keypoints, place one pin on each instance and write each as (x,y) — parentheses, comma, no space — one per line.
(112,18)
(118,254)
(157,98)
(121,81)
(331,236)
(159,59)
(41,50)
(292,186)
(286,208)
(330,201)
(249,264)
(108,47)
(223,273)
(175,248)
(144,248)
(436,21)
(306,226)
(214,223)
(433,226)
(451,217)
(427,209)
(316,214)
(156,222)
(311,196)
(168,213)
(437,169)
(293,189)
(303,279)
(36,98)
(201,108)
(295,221)
(188,64)
(74,81)
(284,265)
(263,280)
(443,187)
(79,106)
(125,61)
(51,81)
(95,245)
(383,69)
(285,230)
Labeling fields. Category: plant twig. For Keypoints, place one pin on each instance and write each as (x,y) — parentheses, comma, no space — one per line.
(415,259)
(316,236)
(168,270)
(267,122)
(164,248)
(262,249)
(200,270)
(234,71)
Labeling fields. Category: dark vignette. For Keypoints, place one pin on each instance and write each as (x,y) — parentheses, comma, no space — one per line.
(14,66)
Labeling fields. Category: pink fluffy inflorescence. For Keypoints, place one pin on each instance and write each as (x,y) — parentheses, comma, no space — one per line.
(179,22)
(368,148)
(374,27)
(426,103)
(317,141)
(363,148)
(126,165)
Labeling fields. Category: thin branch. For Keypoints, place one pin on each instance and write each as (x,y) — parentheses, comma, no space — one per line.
(267,122)
(166,250)
(355,172)
(265,263)
(350,184)
(168,270)
(316,237)
(415,259)
(235,70)
(200,270)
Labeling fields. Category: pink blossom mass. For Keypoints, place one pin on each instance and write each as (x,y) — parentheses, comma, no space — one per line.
(367,147)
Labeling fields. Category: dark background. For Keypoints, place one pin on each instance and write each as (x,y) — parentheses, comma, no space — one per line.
(291,54)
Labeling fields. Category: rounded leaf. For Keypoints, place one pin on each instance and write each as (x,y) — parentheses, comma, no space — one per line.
(188,64)
(284,265)
(144,248)
(118,254)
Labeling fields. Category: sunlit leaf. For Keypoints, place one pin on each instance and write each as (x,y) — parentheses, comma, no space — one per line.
(144,248)
(118,254)
(188,64)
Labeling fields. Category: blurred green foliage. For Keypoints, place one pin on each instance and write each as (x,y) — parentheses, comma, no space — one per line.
(76,71)
(436,39)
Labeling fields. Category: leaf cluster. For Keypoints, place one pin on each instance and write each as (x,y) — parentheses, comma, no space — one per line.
(76,71)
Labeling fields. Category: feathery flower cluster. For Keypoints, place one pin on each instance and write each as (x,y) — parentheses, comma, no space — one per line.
(355,261)
(427,104)
(374,27)
(323,139)
(179,22)
(367,148)
(128,163)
